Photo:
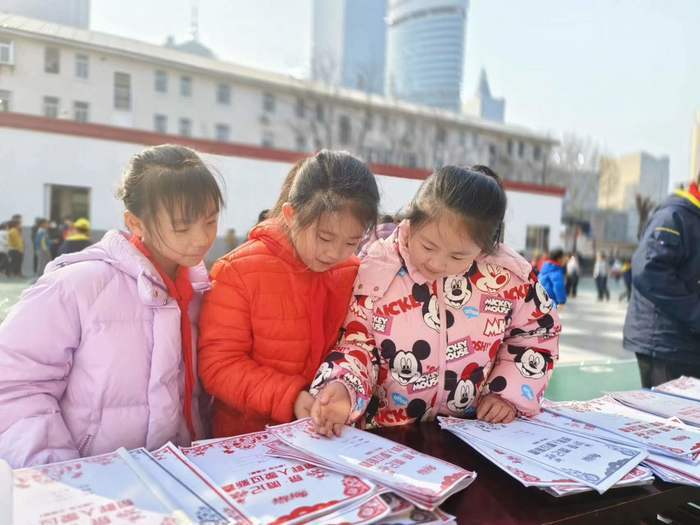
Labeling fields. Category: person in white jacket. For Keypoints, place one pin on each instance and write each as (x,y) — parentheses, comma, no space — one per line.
(601,269)
(573,271)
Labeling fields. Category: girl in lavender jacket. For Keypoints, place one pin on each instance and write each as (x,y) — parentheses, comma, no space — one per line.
(446,319)
(98,354)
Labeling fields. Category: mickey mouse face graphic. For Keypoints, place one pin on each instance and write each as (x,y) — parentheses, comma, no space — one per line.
(431,309)
(322,375)
(488,277)
(457,290)
(463,389)
(532,364)
(406,367)
(542,300)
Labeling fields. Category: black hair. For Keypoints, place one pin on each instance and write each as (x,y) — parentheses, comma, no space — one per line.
(263,215)
(328,182)
(173,177)
(556,254)
(475,194)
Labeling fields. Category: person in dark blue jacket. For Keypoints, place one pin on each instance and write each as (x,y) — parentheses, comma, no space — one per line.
(663,319)
(552,276)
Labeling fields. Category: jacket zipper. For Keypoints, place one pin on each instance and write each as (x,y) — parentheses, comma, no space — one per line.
(442,357)
(84,443)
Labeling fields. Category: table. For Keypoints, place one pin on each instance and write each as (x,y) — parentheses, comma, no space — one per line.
(495,498)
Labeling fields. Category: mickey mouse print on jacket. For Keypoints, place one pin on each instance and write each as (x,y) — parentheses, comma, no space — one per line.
(412,349)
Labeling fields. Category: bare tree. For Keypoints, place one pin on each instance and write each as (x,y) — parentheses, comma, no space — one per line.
(372,130)
(576,164)
(644,206)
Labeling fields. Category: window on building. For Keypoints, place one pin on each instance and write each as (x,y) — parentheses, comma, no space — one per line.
(5,100)
(320,112)
(537,152)
(223,94)
(122,91)
(7,52)
(223,132)
(510,148)
(51,107)
(462,138)
(521,149)
(537,238)
(68,201)
(268,140)
(82,66)
(81,111)
(186,86)
(185,127)
(369,121)
(52,60)
(440,135)
(385,122)
(492,154)
(300,142)
(300,109)
(160,123)
(344,130)
(268,103)
(161,81)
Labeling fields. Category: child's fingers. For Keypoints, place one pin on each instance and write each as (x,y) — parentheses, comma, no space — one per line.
(493,412)
(326,419)
(328,428)
(500,412)
(324,396)
(338,429)
(317,417)
(510,416)
(484,408)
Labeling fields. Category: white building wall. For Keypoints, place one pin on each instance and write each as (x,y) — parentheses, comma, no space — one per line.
(37,159)
(467,140)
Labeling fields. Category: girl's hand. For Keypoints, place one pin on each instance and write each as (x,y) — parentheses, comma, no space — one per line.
(493,409)
(331,409)
(302,406)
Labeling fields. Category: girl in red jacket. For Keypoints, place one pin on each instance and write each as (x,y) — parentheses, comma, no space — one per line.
(278,301)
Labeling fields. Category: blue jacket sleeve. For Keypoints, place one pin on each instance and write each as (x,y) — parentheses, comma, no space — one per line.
(661,251)
(559,287)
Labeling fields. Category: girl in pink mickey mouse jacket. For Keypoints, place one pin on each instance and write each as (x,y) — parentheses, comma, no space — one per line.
(445,320)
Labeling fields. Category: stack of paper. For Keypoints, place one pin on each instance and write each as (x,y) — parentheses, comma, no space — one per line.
(660,404)
(669,467)
(122,487)
(539,456)
(273,490)
(684,386)
(423,480)
(403,512)
(659,436)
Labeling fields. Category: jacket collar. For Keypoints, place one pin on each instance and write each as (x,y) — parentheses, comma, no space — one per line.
(386,257)
(692,195)
(116,250)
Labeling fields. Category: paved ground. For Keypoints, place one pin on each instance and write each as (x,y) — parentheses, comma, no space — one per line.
(592,360)
(591,356)
(10,291)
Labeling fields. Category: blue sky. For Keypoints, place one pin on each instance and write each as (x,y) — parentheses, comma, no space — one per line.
(624,72)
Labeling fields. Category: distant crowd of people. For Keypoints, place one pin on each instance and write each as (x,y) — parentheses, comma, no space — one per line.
(47,239)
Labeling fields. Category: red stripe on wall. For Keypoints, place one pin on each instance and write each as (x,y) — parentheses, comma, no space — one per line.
(148,138)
